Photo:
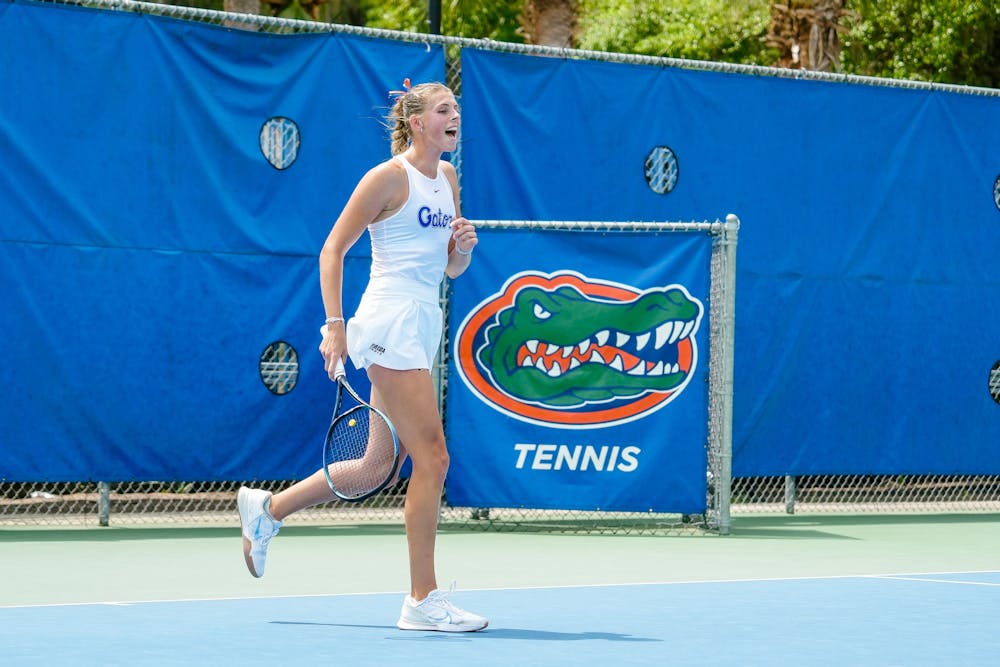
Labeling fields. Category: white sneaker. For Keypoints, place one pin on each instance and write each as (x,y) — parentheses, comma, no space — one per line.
(258,527)
(436,612)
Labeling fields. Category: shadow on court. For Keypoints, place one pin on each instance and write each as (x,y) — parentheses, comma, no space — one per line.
(489,633)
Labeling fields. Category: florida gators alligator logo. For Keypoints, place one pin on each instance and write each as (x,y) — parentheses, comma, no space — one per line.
(566,351)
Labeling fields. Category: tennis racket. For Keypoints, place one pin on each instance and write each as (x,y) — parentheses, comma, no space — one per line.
(361,451)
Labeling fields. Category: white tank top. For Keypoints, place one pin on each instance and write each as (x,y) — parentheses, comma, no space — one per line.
(410,247)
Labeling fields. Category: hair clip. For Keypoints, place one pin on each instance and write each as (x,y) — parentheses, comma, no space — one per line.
(400,93)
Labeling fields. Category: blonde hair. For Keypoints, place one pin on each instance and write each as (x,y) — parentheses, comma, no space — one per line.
(412,102)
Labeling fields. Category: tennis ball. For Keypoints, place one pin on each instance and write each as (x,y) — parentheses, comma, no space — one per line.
(352,422)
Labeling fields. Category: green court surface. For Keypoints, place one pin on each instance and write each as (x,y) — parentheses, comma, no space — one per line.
(128,564)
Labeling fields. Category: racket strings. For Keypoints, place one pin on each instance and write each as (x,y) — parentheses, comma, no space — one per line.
(360,453)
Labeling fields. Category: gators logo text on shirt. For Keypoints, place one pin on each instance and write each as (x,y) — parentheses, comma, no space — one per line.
(428,219)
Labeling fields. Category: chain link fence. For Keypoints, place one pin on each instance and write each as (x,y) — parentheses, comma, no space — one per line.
(204,503)
(880,494)
(214,503)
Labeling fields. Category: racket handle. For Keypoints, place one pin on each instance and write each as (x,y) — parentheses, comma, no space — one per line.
(339,371)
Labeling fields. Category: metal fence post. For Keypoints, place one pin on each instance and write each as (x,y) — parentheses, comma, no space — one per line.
(103,503)
(790,493)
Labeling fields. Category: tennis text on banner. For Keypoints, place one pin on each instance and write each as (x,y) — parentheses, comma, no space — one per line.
(581,458)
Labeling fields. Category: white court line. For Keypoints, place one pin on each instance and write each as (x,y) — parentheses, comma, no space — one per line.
(914,576)
(941,581)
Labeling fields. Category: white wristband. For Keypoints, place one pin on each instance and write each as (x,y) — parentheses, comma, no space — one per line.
(331,320)
(464,253)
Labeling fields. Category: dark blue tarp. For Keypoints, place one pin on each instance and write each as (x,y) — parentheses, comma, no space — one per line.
(151,245)
(149,250)
(868,302)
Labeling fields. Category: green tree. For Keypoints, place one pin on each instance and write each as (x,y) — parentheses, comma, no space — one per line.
(479,19)
(944,41)
(720,30)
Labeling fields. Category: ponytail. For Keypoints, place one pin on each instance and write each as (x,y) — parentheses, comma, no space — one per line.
(400,127)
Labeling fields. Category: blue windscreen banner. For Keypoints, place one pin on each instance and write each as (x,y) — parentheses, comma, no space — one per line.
(167,186)
(867,299)
(578,371)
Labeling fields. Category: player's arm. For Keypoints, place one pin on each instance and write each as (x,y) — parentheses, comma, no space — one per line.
(463,232)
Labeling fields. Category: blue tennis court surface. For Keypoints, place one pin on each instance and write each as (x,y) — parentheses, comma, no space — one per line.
(901,619)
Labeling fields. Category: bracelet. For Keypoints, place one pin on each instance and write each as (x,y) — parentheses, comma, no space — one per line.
(331,320)
(464,253)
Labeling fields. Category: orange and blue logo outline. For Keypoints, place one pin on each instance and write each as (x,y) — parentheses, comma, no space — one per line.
(563,350)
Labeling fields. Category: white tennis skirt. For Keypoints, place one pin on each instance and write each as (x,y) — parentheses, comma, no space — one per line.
(395,331)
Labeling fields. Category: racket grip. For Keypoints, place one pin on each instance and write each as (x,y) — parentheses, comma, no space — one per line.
(339,371)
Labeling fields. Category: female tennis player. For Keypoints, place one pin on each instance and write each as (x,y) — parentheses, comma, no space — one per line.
(409,204)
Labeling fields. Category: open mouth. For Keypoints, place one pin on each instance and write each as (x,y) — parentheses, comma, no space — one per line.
(452,132)
(631,354)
